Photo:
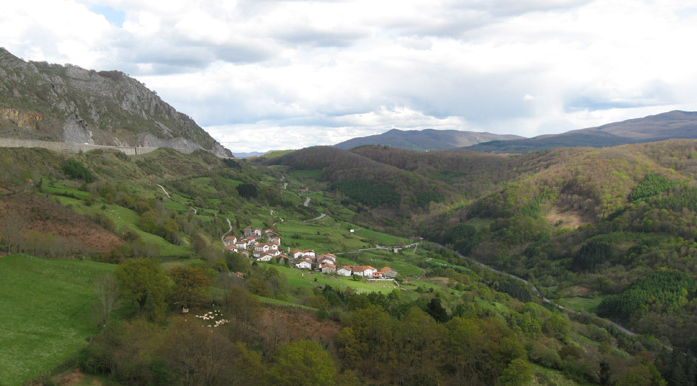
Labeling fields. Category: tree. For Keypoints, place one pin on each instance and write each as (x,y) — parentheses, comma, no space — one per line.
(143,282)
(517,373)
(302,363)
(247,190)
(107,289)
(190,286)
(436,310)
(203,356)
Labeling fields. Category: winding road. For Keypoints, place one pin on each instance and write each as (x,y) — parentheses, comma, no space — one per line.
(222,238)
(535,291)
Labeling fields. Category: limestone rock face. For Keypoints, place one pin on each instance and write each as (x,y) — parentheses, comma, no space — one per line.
(41,101)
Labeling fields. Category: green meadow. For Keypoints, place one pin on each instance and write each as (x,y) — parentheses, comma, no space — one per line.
(46,313)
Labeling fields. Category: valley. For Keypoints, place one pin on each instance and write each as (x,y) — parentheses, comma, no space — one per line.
(578,228)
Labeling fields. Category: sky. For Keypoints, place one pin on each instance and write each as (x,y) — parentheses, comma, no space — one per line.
(260,75)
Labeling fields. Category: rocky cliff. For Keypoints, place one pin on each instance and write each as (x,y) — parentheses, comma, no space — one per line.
(50,102)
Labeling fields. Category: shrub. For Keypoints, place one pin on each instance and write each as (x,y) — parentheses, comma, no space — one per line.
(77,170)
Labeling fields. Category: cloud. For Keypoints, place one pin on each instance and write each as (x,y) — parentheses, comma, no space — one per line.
(309,72)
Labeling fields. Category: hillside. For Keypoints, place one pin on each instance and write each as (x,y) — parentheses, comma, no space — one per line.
(424,140)
(670,125)
(50,102)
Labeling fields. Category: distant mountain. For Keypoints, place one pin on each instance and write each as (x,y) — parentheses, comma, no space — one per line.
(424,140)
(670,125)
(58,103)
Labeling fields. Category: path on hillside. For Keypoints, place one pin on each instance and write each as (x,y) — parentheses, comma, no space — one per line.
(271,213)
(321,216)
(535,291)
(378,247)
(222,238)
(163,189)
(307,202)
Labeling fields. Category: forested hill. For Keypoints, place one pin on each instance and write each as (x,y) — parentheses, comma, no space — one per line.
(50,102)
(584,224)
(670,125)
(424,140)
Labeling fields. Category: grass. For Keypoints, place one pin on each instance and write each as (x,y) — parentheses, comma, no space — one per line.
(46,313)
(543,376)
(298,278)
(284,303)
(581,304)
(125,218)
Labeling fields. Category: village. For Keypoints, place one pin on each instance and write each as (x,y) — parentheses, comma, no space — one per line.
(271,250)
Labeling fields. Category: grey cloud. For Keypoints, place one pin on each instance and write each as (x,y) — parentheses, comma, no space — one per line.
(656,93)
(319,38)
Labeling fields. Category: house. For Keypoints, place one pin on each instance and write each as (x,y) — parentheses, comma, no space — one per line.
(231,248)
(241,244)
(229,240)
(389,272)
(365,271)
(328,268)
(256,232)
(281,258)
(297,254)
(265,257)
(239,275)
(327,257)
(270,234)
(248,231)
(251,241)
(303,264)
(309,253)
(275,240)
(346,270)
(378,275)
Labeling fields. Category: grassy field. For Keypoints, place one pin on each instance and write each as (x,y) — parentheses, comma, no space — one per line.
(46,313)
(298,278)
(125,218)
(581,304)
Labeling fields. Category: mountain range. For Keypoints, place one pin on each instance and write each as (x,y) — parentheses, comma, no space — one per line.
(424,140)
(50,102)
(669,125)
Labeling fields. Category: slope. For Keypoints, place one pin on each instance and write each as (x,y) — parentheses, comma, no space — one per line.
(69,104)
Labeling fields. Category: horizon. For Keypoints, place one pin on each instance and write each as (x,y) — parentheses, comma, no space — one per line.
(285,75)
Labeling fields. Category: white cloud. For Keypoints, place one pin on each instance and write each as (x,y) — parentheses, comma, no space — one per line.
(297,73)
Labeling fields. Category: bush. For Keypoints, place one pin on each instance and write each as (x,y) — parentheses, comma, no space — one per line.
(77,170)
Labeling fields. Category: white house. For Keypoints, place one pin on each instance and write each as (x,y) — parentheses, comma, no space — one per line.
(309,253)
(345,270)
(265,257)
(365,271)
(231,248)
(297,253)
(303,264)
